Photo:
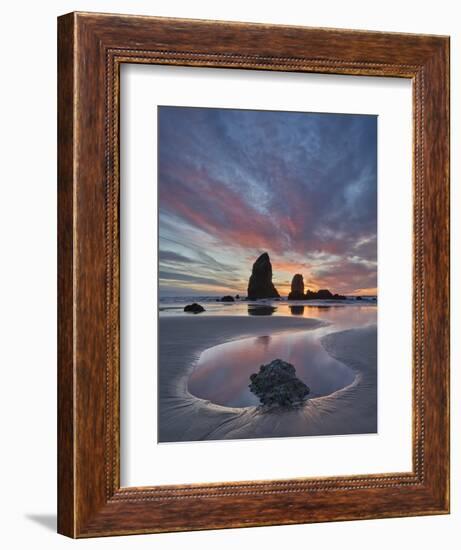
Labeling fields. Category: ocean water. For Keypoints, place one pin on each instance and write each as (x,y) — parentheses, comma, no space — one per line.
(222,373)
(305,308)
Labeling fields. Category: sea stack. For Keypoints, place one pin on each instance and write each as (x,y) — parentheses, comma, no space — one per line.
(260,283)
(297,288)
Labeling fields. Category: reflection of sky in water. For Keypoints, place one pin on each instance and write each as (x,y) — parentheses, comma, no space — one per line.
(276,308)
(222,372)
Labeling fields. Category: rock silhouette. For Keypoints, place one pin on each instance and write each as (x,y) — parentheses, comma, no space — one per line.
(194,308)
(260,283)
(227,299)
(297,288)
(277,384)
(323,294)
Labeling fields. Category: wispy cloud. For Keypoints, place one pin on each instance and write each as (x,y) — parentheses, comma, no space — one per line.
(235,183)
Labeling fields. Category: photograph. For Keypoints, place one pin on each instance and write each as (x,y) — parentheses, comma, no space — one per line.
(267,274)
(229,240)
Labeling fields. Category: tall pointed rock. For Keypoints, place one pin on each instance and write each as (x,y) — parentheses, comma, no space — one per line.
(260,283)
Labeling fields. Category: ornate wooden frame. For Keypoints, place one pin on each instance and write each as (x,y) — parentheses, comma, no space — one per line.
(91,48)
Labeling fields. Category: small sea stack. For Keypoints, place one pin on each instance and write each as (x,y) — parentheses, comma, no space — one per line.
(227,299)
(260,284)
(297,288)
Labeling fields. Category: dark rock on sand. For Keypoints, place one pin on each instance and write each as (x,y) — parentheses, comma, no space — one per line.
(194,308)
(227,299)
(260,283)
(323,294)
(277,384)
(297,288)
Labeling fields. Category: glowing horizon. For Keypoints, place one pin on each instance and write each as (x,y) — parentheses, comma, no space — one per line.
(234,184)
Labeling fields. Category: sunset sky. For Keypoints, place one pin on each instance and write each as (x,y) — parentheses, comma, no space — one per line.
(234,183)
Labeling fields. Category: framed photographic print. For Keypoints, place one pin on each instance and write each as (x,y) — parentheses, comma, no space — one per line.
(253,275)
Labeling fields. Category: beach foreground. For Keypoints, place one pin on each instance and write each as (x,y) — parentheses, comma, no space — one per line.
(184,417)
